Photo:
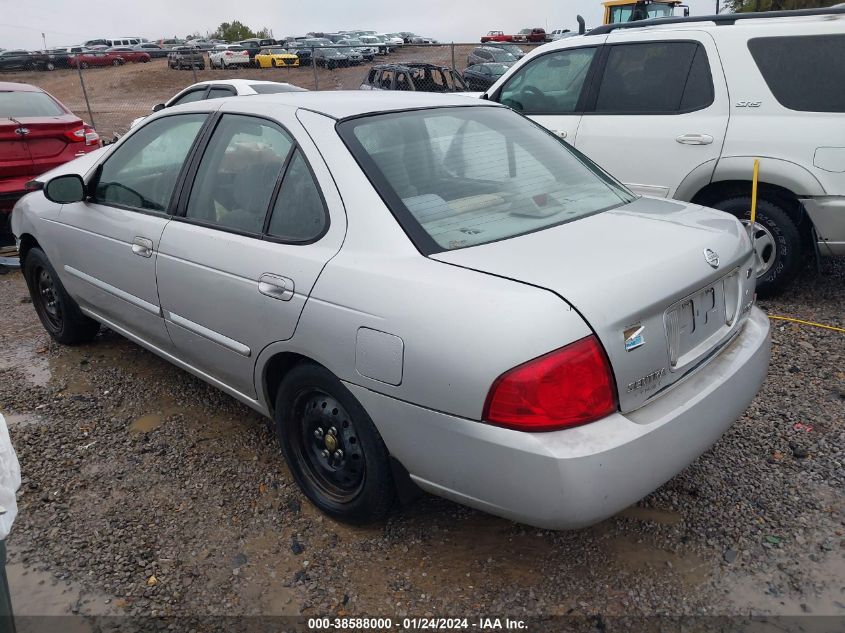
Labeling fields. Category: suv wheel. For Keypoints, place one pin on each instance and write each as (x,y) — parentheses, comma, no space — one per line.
(59,314)
(332,447)
(776,239)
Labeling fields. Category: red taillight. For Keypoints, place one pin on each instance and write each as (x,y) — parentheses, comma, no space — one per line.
(83,133)
(567,387)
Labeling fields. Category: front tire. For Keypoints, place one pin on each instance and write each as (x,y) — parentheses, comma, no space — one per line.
(777,242)
(332,446)
(59,313)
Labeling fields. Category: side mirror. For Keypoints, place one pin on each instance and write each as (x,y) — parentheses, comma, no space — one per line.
(65,189)
(158,106)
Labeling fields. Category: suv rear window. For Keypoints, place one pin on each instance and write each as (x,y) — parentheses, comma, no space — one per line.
(459,177)
(28,104)
(803,72)
(655,77)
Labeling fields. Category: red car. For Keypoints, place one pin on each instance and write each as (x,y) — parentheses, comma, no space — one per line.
(130,54)
(496,36)
(531,35)
(96,58)
(37,133)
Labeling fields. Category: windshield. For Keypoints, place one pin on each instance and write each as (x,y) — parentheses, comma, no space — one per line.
(500,55)
(28,105)
(497,70)
(626,13)
(463,176)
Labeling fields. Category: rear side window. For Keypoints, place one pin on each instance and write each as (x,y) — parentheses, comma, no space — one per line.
(219,93)
(804,73)
(299,214)
(28,104)
(655,78)
(238,172)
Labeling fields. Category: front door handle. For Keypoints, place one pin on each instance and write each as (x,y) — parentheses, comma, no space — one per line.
(276,287)
(560,133)
(142,247)
(694,139)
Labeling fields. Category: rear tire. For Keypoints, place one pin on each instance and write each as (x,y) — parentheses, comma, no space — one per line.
(116,62)
(777,239)
(317,415)
(59,314)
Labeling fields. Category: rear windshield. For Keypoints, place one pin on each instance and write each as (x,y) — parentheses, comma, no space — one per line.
(803,72)
(28,104)
(459,177)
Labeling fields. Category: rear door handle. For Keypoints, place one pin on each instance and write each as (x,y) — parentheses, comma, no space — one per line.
(142,247)
(560,133)
(276,287)
(694,139)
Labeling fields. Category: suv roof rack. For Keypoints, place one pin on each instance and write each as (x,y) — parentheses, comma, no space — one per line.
(720,19)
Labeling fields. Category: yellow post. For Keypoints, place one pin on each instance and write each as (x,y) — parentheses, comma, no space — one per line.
(754,192)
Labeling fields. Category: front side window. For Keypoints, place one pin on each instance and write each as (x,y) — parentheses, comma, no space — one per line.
(655,77)
(238,172)
(803,72)
(220,93)
(299,214)
(142,172)
(550,84)
(459,177)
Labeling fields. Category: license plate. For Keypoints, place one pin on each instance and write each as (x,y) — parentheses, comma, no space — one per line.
(693,322)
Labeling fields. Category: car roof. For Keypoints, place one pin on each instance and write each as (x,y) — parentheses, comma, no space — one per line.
(341,104)
(410,66)
(10,86)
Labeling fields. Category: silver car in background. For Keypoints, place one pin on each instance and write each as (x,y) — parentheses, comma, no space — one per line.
(415,287)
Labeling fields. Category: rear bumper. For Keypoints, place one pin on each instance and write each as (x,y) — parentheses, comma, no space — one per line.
(827,213)
(575,477)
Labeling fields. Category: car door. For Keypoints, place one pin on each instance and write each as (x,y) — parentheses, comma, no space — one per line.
(253,233)
(665,102)
(110,241)
(551,88)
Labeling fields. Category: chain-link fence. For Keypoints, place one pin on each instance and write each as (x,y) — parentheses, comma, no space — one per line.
(110,94)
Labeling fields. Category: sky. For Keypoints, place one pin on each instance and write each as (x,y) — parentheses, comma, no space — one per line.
(66,22)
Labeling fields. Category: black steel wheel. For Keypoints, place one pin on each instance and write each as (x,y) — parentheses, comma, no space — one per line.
(332,446)
(58,312)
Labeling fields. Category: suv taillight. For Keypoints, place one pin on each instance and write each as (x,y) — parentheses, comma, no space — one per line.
(567,387)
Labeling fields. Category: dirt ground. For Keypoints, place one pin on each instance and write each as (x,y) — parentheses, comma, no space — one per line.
(120,94)
(148,493)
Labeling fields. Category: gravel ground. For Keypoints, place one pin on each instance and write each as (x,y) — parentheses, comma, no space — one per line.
(147,492)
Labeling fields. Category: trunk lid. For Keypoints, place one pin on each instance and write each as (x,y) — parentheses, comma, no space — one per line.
(15,160)
(47,142)
(638,272)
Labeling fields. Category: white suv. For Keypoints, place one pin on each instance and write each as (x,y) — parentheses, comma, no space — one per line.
(679,108)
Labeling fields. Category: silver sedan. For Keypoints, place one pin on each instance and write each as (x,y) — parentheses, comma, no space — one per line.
(423,291)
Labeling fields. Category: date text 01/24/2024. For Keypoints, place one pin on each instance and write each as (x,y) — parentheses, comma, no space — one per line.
(416,624)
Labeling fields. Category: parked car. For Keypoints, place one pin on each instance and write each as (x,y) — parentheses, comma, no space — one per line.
(558,34)
(513,49)
(104,43)
(496,36)
(482,76)
(171,42)
(300,50)
(275,57)
(186,57)
(92,58)
(694,102)
(202,44)
(536,377)
(330,58)
(37,133)
(25,60)
(254,45)
(153,50)
(367,53)
(221,88)
(225,56)
(421,77)
(374,42)
(488,54)
(531,35)
(130,54)
(422,39)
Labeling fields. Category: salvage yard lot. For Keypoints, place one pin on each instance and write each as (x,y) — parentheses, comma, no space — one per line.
(120,94)
(147,492)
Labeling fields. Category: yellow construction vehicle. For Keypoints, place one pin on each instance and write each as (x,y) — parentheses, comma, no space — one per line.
(616,11)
